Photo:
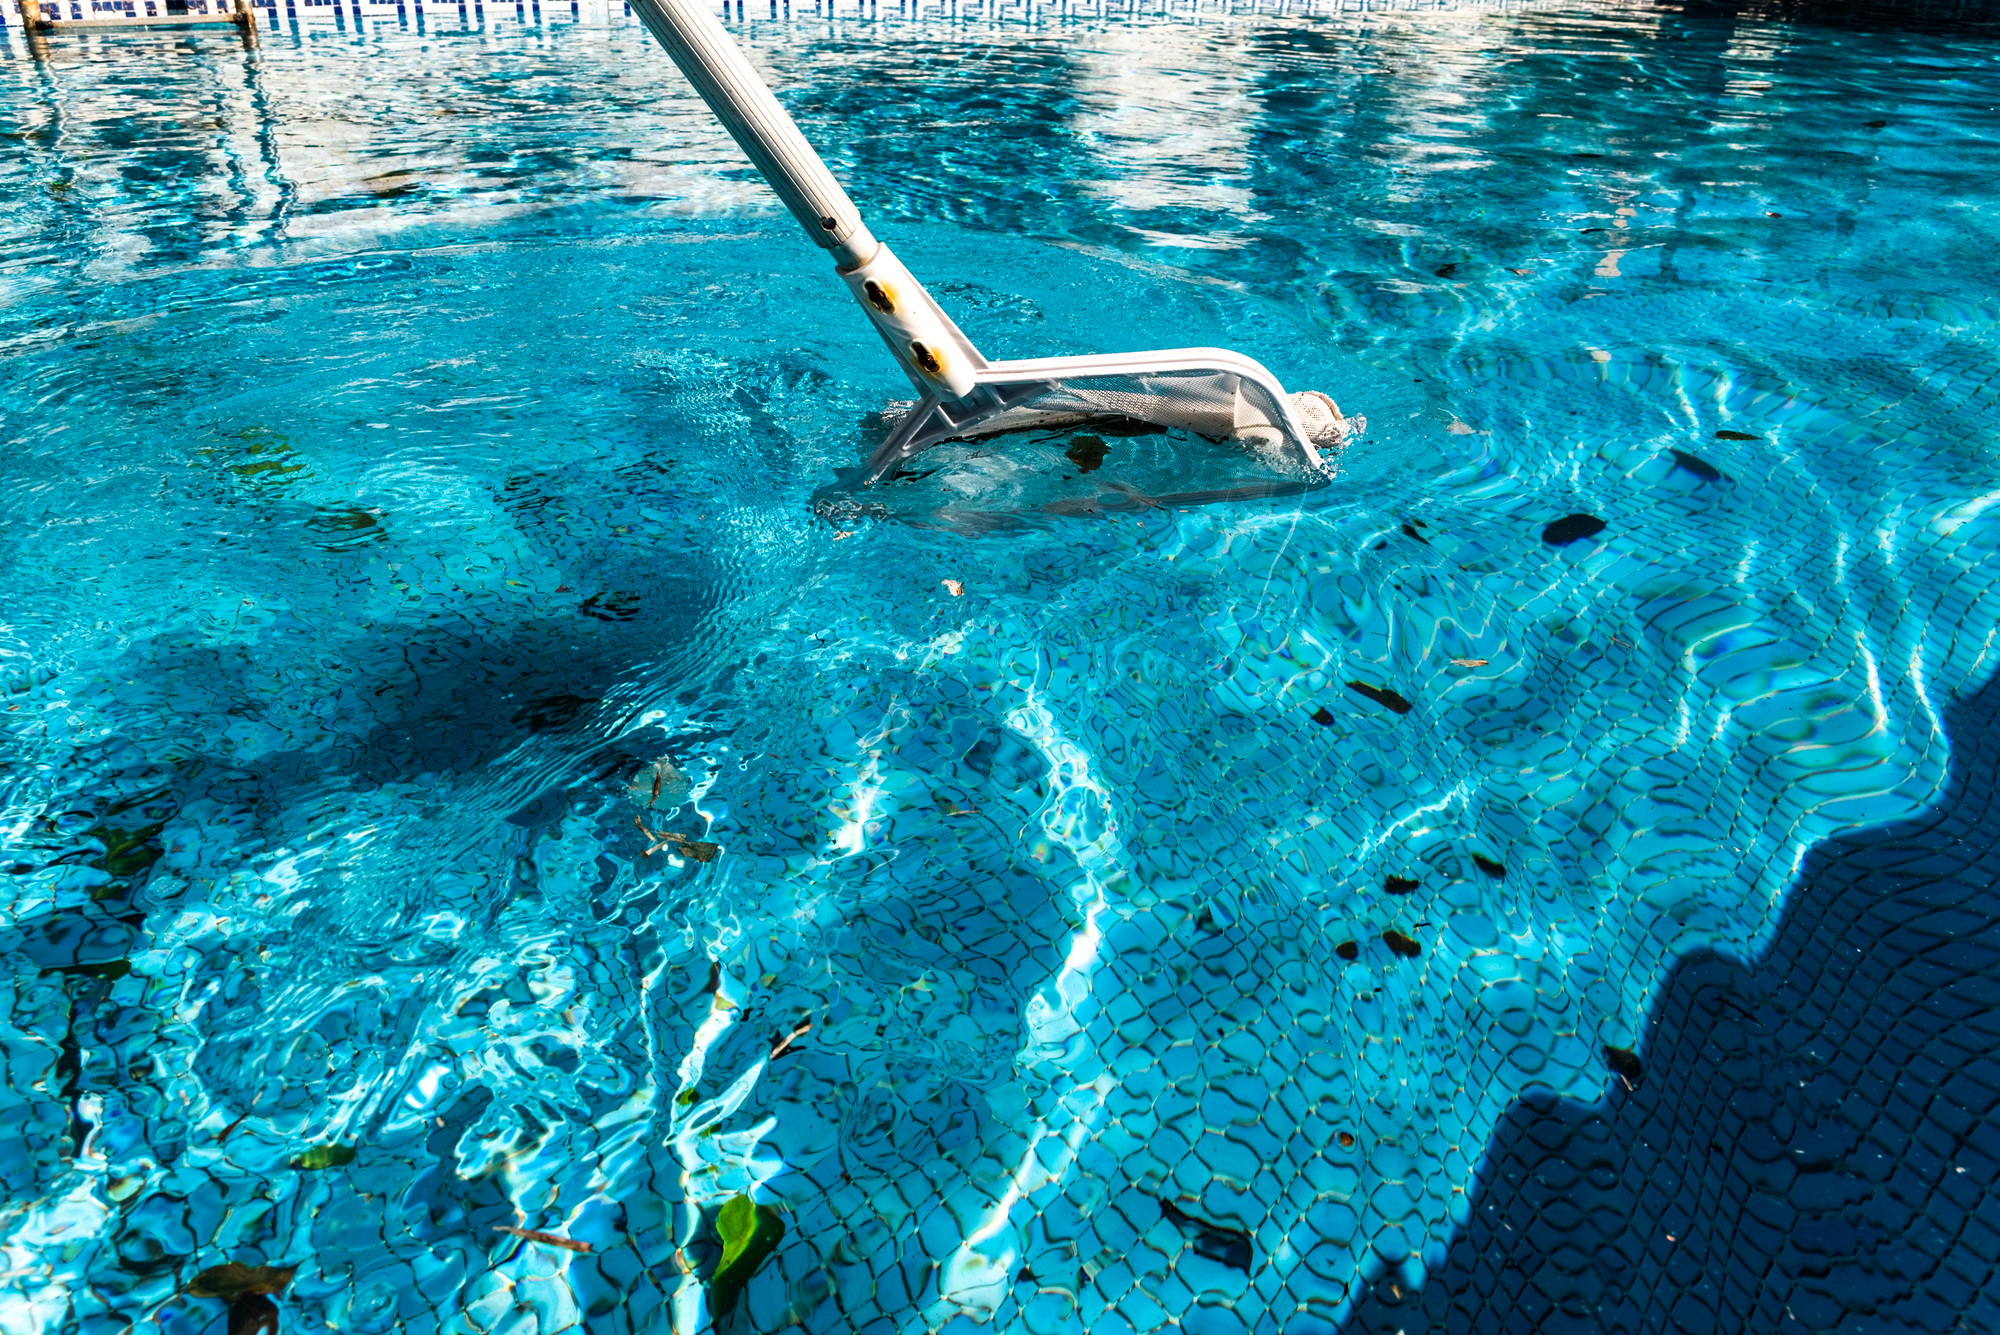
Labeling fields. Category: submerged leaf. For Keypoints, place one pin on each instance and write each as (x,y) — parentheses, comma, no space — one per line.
(233,1279)
(1087,453)
(750,1233)
(1228,1246)
(106,969)
(253,1314)
(1624,1063)
(546,1239)
(1382,696)
(325,1156)
(1401,945)
(1572,528)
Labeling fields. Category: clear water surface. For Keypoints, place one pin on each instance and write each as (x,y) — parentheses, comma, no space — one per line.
(408,436)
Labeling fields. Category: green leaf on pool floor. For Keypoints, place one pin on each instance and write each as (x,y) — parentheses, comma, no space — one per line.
(325,1156)
(750,1233)
(233,1279)
(109,970)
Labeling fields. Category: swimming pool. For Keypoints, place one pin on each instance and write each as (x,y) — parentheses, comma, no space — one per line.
(412,434)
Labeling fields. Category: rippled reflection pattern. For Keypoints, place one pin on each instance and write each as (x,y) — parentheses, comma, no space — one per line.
(477,842)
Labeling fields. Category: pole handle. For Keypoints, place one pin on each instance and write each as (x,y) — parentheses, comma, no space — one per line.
(740,99)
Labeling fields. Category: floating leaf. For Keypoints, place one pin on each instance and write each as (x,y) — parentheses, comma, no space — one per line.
(1469,662)
(325,1156)
(750,1233)
(233,1279)
(1382,696)
(687,1098)
(700,850)
(1404,946)
(954,588)
(1571,528)
(1624,1063)
(1489,866)
(1734,435)
(659,785)
(1346,1139)
(1399,885)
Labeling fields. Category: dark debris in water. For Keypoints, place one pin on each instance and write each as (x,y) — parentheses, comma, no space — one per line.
(1323,716)
(1399,885)
(613,605)
(1625,1064)
(1228,1246)
(1087,453)
(1119,426)
(694,850)
(1571,528)
(1348,950)
(1734,435)
(253,1314)
(1494,869)
(1381,695)
(1401,945)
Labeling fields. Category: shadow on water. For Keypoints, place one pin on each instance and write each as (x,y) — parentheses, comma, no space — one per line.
(1812,1142)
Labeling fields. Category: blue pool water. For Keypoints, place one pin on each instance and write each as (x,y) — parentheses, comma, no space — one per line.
(409,436)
